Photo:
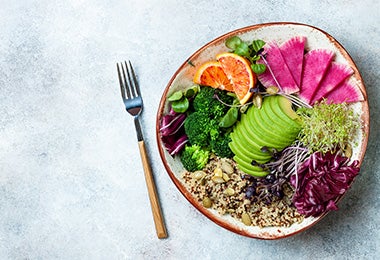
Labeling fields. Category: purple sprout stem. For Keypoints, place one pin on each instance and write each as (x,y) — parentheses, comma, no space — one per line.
(271,72)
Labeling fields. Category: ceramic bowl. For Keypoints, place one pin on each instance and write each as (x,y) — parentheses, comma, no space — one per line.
(280,32)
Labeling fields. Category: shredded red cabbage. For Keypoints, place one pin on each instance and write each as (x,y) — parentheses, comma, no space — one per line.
(172,132)
(171,124)
(320,181)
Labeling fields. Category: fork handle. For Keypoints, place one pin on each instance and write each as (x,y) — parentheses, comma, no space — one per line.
(152,191)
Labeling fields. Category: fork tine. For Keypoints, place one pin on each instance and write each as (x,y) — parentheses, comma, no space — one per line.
(130,83)
(134,79)
(122,88)
(126,84)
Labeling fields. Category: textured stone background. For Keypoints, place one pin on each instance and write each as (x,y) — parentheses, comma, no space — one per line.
(71,181)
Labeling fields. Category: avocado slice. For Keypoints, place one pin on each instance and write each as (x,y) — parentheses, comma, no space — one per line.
(285,126)
(282,108)
(258,137)
(247,149)
(268,125)
(255,123)
(244,154)
(249,168)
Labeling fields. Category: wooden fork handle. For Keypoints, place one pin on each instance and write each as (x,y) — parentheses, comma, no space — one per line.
(152,191)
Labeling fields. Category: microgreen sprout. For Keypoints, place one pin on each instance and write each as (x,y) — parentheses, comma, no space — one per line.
(328,127)
(284,165)
(252,51)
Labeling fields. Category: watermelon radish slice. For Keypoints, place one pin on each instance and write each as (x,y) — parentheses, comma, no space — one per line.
(346,92)
(277,65)
(335,75)
(293,51)
(316,63)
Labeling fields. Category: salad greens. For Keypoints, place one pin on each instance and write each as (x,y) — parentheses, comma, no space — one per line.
(249,51)
(180,99)
(327,127)
(202,118)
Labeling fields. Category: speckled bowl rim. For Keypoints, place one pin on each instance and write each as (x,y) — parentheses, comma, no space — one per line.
(219,220)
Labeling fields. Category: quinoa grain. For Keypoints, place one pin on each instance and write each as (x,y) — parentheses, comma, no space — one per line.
(221,186)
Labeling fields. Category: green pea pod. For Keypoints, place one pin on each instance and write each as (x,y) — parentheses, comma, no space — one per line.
(180,106)
(230,118)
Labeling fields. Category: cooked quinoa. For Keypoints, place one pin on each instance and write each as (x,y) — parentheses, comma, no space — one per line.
(221,186)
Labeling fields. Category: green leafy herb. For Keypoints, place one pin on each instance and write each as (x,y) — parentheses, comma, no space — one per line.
(230,118)
(242,49)
(233,42)
(258,68)
(249,51)
(180,99)
(175,96)
(190,92)
(180,106)
(328,127)
(257,45)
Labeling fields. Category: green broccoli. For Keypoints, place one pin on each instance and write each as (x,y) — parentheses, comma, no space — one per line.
(220,146)
(194,158)
(199,128)
(207,103)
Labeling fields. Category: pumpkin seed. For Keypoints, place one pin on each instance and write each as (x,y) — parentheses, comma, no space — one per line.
(257,100)
(217,179)
(272,90)
(198,175)
(226,177)
(246,219)
(227,167)
(218,172)
(207,202)
(348,151)
(229,191)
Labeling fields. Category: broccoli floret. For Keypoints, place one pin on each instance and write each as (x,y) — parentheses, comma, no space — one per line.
(199,128)
(220,146)
(207,103)
(194,158)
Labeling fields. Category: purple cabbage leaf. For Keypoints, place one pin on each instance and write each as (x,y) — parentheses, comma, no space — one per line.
(320,181)
(172,132)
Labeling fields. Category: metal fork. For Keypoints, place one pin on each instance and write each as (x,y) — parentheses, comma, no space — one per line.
(130,92)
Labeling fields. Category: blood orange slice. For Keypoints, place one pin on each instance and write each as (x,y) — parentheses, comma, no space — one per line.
(238,70)
(212,74)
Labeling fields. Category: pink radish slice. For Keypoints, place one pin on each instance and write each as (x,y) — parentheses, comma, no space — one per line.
(335,75)
(279,69)
(345,92)
(316,63)
(293,52)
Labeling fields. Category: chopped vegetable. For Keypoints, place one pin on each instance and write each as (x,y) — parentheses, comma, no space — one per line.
(194,157)
(172,132)
(174,144)
(203,124)
(199,128)
(206,103)
(220,146)
(320,181)
(171,124)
